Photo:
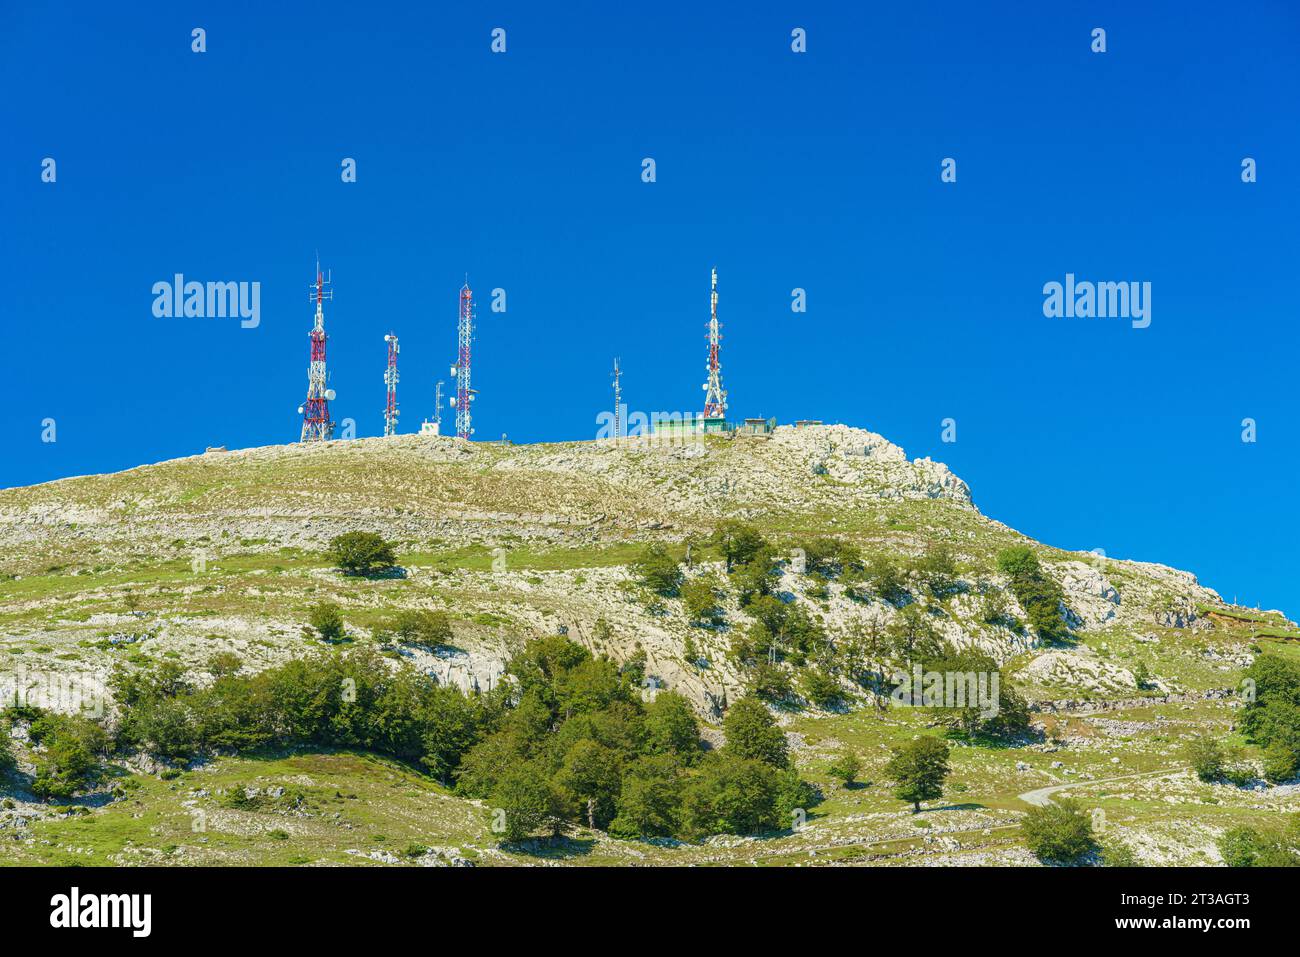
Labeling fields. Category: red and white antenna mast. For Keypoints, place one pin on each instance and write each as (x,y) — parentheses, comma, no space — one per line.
(316,424)
(619,426)
(390,380)
(715,398)
(465,335)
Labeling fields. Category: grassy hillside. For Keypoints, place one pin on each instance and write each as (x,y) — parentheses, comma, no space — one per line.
(225,552)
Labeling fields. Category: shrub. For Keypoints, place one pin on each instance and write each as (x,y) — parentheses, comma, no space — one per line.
(1279,763)
(1239,846)
(845,768)
(1117,854)
(770,682)
(995,608)
(1206,758)
(752,733)
(1037,593)
(1059,833)
(361,553)
(738,542)
(700,598)
(7,760)
(886,580)
(326,618)
(937,570)
(658,570)
(820,688)
(68,763)
(422,627)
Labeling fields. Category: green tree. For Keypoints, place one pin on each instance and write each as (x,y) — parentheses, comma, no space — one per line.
(911,636)
(68,762)
(752,733)
(738,542)
(1003,718)
(591,774)
(671,727)
(1059,833)
(730,794)
(995,608)
(845,768)
(700,598)
(820,688)
(1206,758)
(529,803)
(937,570)
(919,769)
(658,570)
(1038,594)
(327,619)
(757,577)
(361,553)
(770,682)
(650,800)
(886,579)
(7,760)
(422,627)
(1279,763)
(830,557)
(1141,675)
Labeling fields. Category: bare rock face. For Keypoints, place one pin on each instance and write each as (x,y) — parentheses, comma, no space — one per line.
(1089,594)
(1079,670)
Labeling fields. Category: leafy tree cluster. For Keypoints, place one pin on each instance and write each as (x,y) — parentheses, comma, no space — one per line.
(832,558)
(1272,719)
(7,760)
(1059,833)
(419,626)
(786,632)
(353,698)
(1011,717)
(361,553)
(1039,595)
(1248,847)
(700,598)
(70,752)
(659,570)
(581,747)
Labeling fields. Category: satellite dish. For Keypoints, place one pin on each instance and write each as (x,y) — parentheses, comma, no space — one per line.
(453,402)
(300,410)
(705,387)
(329,395)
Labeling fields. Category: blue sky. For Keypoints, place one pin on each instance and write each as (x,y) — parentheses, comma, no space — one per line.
(818,170)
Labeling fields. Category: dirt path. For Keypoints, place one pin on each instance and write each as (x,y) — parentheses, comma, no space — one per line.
(1041,797)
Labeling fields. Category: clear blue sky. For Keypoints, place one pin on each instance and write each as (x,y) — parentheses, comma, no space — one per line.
(818,171)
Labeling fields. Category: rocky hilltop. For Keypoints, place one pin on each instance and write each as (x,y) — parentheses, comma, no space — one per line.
(223,550)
